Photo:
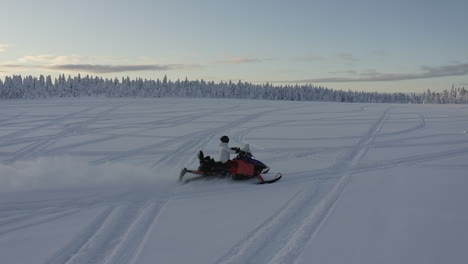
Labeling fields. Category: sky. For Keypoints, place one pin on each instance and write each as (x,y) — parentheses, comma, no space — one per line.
(361,45)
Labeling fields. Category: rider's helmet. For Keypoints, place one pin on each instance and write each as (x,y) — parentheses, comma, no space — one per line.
(224,139)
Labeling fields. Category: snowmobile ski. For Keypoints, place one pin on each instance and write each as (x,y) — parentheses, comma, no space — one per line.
(277,178)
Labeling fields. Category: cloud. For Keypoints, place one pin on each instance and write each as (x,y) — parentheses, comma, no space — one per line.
(379,52)
(95,68)
(369,72)
(3,47)
(39,58)
(374,76)
(344,72)
(235,60)
(347,57)
(310,58)
(89,64)
(10,66)
(101,68)
(68,59)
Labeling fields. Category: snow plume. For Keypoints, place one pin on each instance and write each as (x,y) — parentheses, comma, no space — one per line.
(68,172)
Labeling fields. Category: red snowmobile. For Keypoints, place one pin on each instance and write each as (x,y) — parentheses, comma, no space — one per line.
(242,167)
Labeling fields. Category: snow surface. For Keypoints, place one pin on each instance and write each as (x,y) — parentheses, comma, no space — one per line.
(95,181)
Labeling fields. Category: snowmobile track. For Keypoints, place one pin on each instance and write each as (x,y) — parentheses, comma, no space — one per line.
(171,141)
(129,248)
(295,223)
(64,255)
(115,236)
(36,148)
(37,222)
(50,123)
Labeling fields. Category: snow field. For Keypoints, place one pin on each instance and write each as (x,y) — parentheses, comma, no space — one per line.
(95,181)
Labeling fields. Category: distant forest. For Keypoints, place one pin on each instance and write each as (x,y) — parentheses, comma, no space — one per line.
(18,87)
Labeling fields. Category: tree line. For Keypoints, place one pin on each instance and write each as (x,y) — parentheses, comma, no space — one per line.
(29,87)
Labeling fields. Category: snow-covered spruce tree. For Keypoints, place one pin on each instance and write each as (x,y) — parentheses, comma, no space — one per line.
(43,87)
(2,90)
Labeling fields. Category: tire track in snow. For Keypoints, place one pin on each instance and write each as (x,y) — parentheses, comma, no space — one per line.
(257,245)
(51,122)
(3,121)
(412,160)
(36,148)
(393,142)
(128,250)
(18,219)
(296,244)
(422,124)
(99,239)
(37,222)
(44,212)
(99,140)
(290,252)
(64,255)
(133,152)
(115,236)
(9,219)
(20,141)
(296,222)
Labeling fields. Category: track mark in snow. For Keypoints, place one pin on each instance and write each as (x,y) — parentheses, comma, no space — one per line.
(100,237)
(13,117)
(115,236)
(412,160)
(36,148)
(252,248)
(37,222)
(52,122)
(136,151)
(296,221)
(134,239)
(422,124)
(297,243)
(64,255)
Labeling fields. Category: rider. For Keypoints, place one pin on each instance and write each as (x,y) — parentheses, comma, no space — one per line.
(208,163)
(225,151)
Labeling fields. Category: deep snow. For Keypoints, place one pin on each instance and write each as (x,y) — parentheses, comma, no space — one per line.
(95,181)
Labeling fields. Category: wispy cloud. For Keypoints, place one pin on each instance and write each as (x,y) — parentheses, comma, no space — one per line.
(374,76)
(89,64)
(236,60)
(90,68)
(344,72)
(67,59)
(379,52)
(12,66)
(346,57)
(100,68)
(4,47)
(309,58)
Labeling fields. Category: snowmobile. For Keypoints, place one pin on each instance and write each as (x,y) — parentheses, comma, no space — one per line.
(243,167)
